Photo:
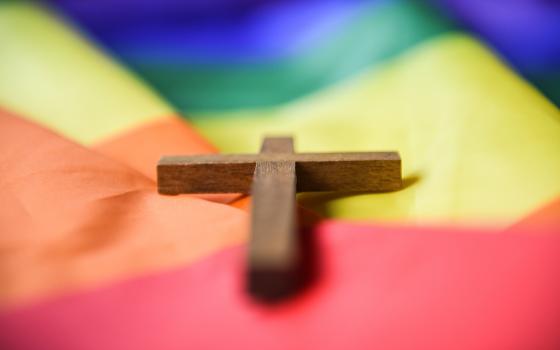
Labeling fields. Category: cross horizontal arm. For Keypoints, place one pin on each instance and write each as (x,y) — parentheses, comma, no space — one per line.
(360,171)
(296,157)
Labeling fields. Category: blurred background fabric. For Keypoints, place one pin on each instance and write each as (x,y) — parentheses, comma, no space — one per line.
(92,93)
(245,48)
(525,32)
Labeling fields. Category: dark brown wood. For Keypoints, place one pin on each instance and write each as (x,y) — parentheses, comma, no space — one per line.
(273,177)
(273,247)
(365,171)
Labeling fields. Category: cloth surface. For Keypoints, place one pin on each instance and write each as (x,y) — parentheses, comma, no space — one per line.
(525,32)
(461,164)
(378,287)
(73,218)
(190,51)
(479,145)
(465,256)
(53,76)
(254,58)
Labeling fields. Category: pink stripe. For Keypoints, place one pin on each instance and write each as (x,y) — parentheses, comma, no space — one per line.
(378,288)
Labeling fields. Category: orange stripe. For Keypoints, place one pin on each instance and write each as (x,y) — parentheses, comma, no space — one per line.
(141,147)
(538,221)
(72,218)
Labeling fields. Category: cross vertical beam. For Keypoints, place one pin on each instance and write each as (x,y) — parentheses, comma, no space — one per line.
(274,252)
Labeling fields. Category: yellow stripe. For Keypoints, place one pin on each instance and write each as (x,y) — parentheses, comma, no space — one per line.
(52,75)
(479,145)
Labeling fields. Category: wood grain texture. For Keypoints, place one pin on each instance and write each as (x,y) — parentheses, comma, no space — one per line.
(273,177)
(274,254)
(358,171)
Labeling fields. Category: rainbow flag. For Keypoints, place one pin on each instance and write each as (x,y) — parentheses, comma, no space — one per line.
(92,94)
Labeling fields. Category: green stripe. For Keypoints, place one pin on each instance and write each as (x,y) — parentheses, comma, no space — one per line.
(376,34)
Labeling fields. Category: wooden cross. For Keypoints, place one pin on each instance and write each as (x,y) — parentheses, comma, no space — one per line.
(273,177)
